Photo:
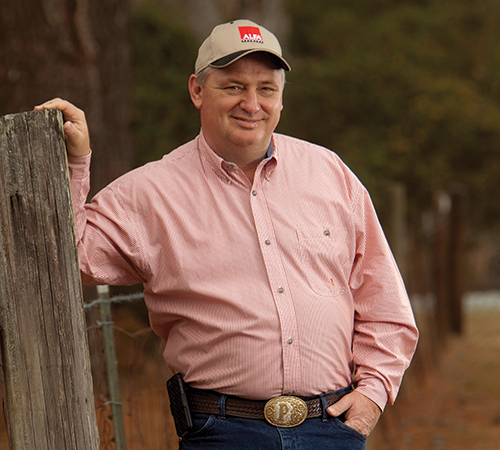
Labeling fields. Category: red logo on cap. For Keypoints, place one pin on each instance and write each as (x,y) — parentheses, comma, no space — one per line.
(250,34)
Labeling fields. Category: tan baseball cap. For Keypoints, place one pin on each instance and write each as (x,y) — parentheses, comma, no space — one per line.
(231,41)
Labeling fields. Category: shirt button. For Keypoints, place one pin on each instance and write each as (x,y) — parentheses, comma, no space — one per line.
(268,242)
(230,166)
(254,193)
(290,341)
(281,290)
(326,232)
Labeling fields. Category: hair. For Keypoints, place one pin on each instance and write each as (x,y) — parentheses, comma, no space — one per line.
(202,76)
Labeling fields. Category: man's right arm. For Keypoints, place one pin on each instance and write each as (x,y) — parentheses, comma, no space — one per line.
(77,138)
(106,249)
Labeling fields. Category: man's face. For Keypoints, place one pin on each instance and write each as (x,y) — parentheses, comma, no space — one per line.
(240,105)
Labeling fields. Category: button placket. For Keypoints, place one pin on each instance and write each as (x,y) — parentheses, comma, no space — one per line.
(278,280)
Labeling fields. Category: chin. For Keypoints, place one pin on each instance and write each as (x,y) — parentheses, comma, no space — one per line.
(249,139)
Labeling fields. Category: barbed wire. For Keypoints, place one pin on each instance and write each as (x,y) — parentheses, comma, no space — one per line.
(121,298)
(471,301)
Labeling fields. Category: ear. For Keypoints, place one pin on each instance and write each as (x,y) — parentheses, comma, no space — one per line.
(195,91)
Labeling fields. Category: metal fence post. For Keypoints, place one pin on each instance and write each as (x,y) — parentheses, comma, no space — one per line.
(106,325)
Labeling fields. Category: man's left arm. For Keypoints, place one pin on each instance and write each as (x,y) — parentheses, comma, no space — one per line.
(385,333)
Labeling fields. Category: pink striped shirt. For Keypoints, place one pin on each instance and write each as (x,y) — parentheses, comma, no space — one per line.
(284,285)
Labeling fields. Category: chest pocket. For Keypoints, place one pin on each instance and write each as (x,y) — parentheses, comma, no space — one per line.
(324,257)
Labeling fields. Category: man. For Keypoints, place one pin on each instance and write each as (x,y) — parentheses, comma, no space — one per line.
(264,266)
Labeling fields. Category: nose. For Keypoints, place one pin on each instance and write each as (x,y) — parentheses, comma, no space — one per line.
(250,101)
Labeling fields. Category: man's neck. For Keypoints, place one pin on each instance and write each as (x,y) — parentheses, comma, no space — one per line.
(247,159)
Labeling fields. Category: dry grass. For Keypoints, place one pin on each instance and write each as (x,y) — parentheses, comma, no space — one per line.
(143,373)
(454,404)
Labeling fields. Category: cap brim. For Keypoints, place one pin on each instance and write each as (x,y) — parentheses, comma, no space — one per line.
(229,59)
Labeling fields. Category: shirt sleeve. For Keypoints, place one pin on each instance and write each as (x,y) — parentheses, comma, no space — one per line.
(385,333)
(108,247)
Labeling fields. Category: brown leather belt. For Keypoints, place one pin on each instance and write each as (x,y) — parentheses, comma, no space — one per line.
(201,402)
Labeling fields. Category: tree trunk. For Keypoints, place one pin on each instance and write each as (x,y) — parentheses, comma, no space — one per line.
(77,50)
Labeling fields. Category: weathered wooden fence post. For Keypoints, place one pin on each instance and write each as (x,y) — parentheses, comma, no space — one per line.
(394,222)
(450,275)
(441,266)
(457,256)
(45,358)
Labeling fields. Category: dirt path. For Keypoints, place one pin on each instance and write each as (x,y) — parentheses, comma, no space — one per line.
(456,407)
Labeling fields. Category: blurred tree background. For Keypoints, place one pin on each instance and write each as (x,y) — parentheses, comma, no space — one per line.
(404,91)
(407,92)
(77,50)
(163,116)
(401,90)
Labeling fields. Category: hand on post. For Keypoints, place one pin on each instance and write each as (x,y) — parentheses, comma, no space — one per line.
(75,126)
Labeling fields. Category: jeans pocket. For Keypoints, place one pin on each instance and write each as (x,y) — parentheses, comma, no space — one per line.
(202,423)
(348,429)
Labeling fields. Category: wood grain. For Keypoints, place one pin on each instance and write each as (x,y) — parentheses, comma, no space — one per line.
(45,360)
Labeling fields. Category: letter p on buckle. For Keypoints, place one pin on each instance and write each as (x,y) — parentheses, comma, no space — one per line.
(285,411)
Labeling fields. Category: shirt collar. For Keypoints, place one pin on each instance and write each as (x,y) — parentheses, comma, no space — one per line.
(270,149)
(223,168)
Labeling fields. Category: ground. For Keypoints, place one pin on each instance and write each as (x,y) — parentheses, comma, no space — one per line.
(455,404)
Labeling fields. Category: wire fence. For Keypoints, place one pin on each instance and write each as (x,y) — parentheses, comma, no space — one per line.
(132,405)
(129,374)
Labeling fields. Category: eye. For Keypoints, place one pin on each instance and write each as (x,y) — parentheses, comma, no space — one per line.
(267,90)
(232,88)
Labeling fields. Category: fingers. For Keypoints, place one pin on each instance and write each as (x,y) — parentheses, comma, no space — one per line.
(341,406)
(70,111)
(361,413)
(75,126)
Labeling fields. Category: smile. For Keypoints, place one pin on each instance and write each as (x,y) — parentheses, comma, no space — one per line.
(247,123)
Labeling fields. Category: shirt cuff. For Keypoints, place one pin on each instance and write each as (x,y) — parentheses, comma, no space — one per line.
(79,166)
(374,389)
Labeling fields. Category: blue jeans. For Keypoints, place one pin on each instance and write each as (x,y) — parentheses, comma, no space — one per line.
(213,432)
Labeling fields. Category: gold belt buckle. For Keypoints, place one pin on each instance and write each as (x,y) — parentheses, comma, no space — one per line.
(285,411)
